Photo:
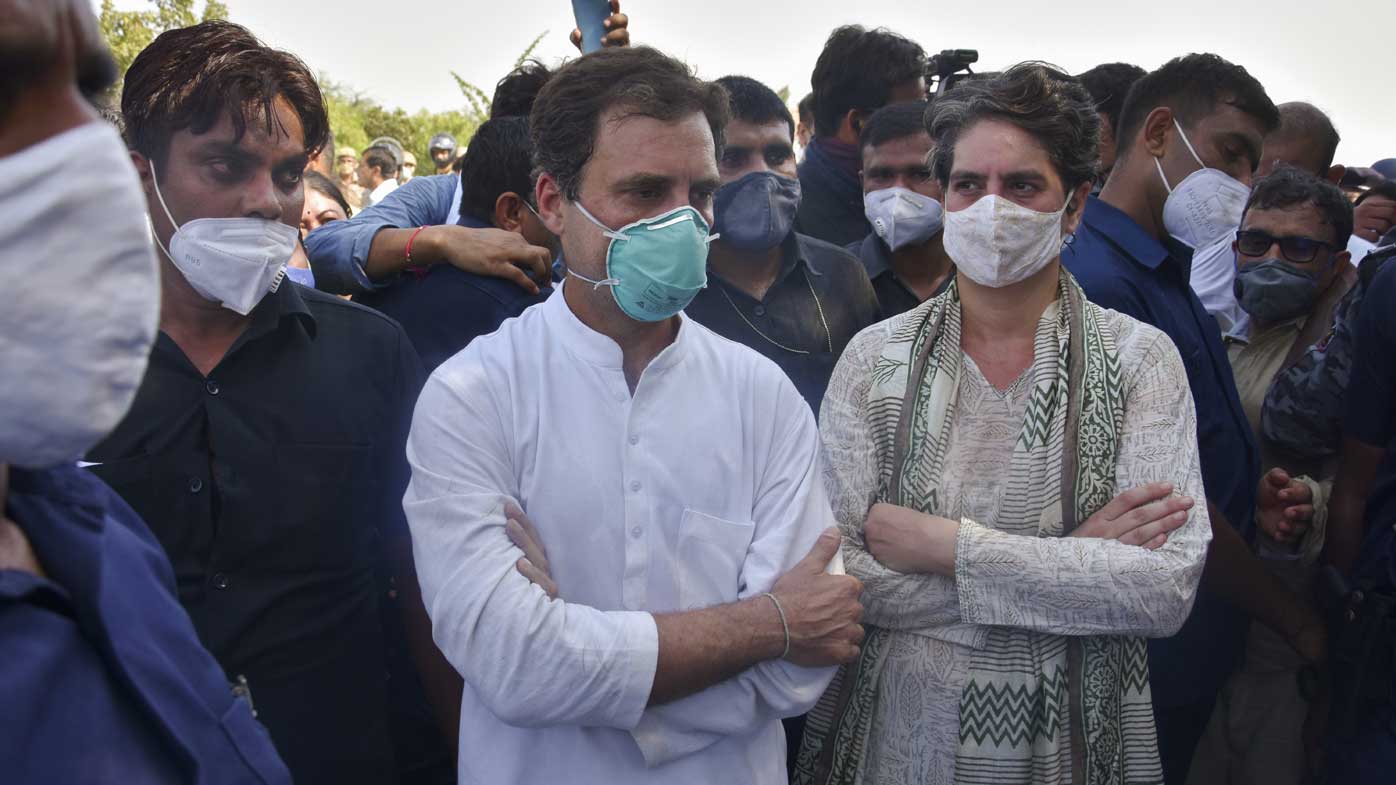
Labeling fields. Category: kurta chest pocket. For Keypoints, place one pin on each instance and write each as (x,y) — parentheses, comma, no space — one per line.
(711,553)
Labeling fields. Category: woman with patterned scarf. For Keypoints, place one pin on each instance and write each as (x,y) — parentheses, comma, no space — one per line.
(975,447)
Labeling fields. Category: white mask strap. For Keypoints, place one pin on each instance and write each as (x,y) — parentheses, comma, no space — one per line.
(606,230)
(1163,176)
(594,284)
(156,182)
(1188,144)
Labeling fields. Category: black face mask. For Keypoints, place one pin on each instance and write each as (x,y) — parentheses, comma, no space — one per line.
(1275,290)
(756,212)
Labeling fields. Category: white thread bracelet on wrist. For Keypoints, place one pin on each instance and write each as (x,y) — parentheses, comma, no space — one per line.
(785,625)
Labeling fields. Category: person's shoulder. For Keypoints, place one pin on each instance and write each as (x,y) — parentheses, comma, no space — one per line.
(735,360)
(363,322)
(867,345)
(499,291)
(498,349)
(1139,345)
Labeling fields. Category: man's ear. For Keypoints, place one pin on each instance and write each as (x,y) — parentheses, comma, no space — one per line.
(142,165)
(851,127)
(548,196)
(1157,130)
(508,212)
(1335,173)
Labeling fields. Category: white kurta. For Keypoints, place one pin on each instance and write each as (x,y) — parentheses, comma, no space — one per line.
(700,489)
(1063,586)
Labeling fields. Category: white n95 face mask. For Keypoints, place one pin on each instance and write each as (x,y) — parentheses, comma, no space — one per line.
(81,302)
(996,242)
(1206,206)
(234,262)
(902,217)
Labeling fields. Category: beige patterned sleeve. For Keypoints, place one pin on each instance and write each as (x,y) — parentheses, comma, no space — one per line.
(1084,586)
(892,600)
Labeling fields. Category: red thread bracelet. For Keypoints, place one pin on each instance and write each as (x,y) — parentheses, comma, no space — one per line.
(409,245)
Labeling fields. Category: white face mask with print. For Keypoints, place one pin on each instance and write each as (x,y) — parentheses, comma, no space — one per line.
(902,217)
(234,262)
(81,299)
(996,242)
(1206,207)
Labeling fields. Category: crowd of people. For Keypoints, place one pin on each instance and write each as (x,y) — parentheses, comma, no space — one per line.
(1024,427)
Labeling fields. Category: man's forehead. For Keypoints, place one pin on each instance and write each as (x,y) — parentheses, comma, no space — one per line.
(916,145)
(630,143)
(1303,218)
(277,134)
(744,133)
(1227,118)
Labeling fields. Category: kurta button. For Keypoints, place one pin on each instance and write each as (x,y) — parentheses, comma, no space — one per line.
(759,310)
(196,485)
(635,486)
(634,439)
(211,386)
(636,532)
(220,581)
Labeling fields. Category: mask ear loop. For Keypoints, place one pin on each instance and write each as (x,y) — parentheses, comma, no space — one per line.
(1191,152)
(605,230)
(155,180)
(1188,144)
(595,284)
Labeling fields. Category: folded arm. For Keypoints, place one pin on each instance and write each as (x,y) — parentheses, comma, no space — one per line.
(532,661)
(1088,586)
(911,602)
(791,511)
(537,661)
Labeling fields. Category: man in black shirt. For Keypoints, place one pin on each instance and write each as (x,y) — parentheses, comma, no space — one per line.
(859,72)
(443,308)
(903,254)
(265,445)
(793,298)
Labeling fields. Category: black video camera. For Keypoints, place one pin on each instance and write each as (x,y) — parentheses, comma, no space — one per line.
(948,67)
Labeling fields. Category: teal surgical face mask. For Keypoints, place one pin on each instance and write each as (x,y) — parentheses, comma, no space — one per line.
(655,266)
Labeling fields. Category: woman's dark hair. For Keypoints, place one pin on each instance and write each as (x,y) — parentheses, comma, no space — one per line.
(498,159)
(316,181)
(755,103)
(516,92)
(1043,101)
(188,78)
(858,69)
(636,81)
(1192,86)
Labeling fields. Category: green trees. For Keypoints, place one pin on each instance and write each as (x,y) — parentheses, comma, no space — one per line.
(128,32)
(354,117)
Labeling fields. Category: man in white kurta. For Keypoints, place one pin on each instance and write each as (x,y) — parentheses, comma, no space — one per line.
(695,484)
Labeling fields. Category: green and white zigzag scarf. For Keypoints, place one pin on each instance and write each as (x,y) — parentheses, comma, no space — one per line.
(1025,688)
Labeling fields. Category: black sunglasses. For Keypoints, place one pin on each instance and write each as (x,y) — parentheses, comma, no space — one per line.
(1301,250)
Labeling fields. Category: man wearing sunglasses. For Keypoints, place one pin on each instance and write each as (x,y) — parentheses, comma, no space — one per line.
(1291,265)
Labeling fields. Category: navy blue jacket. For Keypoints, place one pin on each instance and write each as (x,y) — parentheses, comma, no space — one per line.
(104,678)
(1122,267)
(446,308)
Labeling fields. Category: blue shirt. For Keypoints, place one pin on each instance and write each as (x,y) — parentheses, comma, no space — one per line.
(447,308)
(1123,267)
(104,678)
(1371,419)
(338,250)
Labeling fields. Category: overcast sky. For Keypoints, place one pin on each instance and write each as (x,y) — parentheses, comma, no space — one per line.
(388,49)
